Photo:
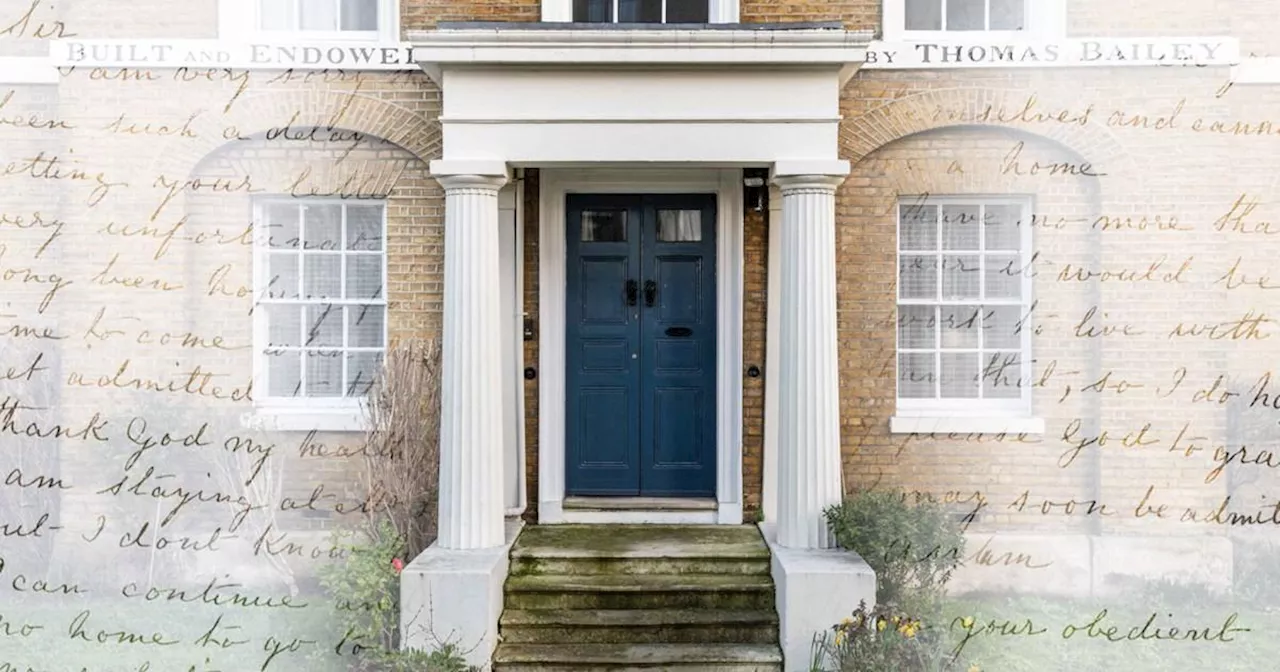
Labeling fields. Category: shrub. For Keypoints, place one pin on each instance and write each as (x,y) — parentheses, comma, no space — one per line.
(400,484)
(402,449)
(366,592)
(885,640)
(913,548)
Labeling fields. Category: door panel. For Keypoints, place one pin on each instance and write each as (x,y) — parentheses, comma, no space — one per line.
(640,341)
(678,341)
(602,430)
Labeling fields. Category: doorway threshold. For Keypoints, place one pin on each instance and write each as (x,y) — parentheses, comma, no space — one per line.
(656,510)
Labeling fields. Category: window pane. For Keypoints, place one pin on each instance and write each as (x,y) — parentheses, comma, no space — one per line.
(916,327)
(966,14)
(1002,227)
(359,15)
(284,326)
(960,326)
(960,227)
(322,227)
(593,11)
(362,372)
(1003,276)
(364,276)
(1000,375)
(277,14)
(364,228)
(322,276)
(282,226)
(1008,14)
(282,276)
(688,11)
(318,14)
(1001,327)
(324,326)
(918,276)
(916,375)
(959,375)
(919,227)
(924,14)
(679,226)
(324,374)
(639,11)
(961,277)
(365,326)
(284,372)
(604,226)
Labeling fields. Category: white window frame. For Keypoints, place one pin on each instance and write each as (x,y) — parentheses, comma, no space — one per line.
(1045,20)
(718,11)
(240,20)
(914,414)
(305,413)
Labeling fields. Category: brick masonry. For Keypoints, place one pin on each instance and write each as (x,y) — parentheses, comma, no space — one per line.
(906,133)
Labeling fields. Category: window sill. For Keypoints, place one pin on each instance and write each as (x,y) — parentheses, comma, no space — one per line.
(268,419)
(964,425)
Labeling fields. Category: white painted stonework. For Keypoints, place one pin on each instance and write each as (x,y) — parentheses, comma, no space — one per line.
(809,389)
(639,111)
(815,589)
(471,499)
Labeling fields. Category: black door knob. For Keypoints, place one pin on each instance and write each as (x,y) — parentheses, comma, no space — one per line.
(753,371)
(530,373)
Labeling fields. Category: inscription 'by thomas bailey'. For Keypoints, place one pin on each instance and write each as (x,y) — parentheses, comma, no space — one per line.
(974,52)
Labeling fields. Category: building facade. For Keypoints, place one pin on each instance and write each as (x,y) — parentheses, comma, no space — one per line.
(746,255)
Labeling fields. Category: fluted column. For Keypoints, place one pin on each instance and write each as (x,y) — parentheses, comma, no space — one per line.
(471,478)
(808,386)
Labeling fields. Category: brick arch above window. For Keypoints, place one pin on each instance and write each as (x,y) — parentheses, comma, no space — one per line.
(254,114)
(935,109)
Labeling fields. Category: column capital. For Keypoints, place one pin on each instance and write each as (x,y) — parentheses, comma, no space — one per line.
(470,183)
(808,184)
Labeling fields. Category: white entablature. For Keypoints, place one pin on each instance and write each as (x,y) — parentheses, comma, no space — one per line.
(545,95)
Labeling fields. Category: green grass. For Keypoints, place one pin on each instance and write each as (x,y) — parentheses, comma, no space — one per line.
(1050,643)
(274,639)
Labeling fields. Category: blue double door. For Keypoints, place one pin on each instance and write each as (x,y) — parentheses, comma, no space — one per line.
(641,345)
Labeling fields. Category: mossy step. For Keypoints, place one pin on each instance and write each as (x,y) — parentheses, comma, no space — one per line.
(527,565)
(639,592)
(636,617)
(610,583)
(550,657)
(640,626)
(736,542)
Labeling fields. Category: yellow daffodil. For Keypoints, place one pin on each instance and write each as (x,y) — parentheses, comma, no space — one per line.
(847,620)
(967,622)
(840,639)
(974,668)
(880,625)
(895,620)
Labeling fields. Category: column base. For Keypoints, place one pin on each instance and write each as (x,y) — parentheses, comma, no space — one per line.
(455,596)
(815,588)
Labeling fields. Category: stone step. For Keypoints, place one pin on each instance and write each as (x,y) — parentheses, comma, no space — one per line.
(634,657)
(683,591)
(585,549)
(529,564)
(639,504)
(639,626)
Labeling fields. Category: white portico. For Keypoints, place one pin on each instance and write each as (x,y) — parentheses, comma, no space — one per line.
(636,110)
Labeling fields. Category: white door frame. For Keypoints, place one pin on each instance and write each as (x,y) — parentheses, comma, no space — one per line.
(554,184)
